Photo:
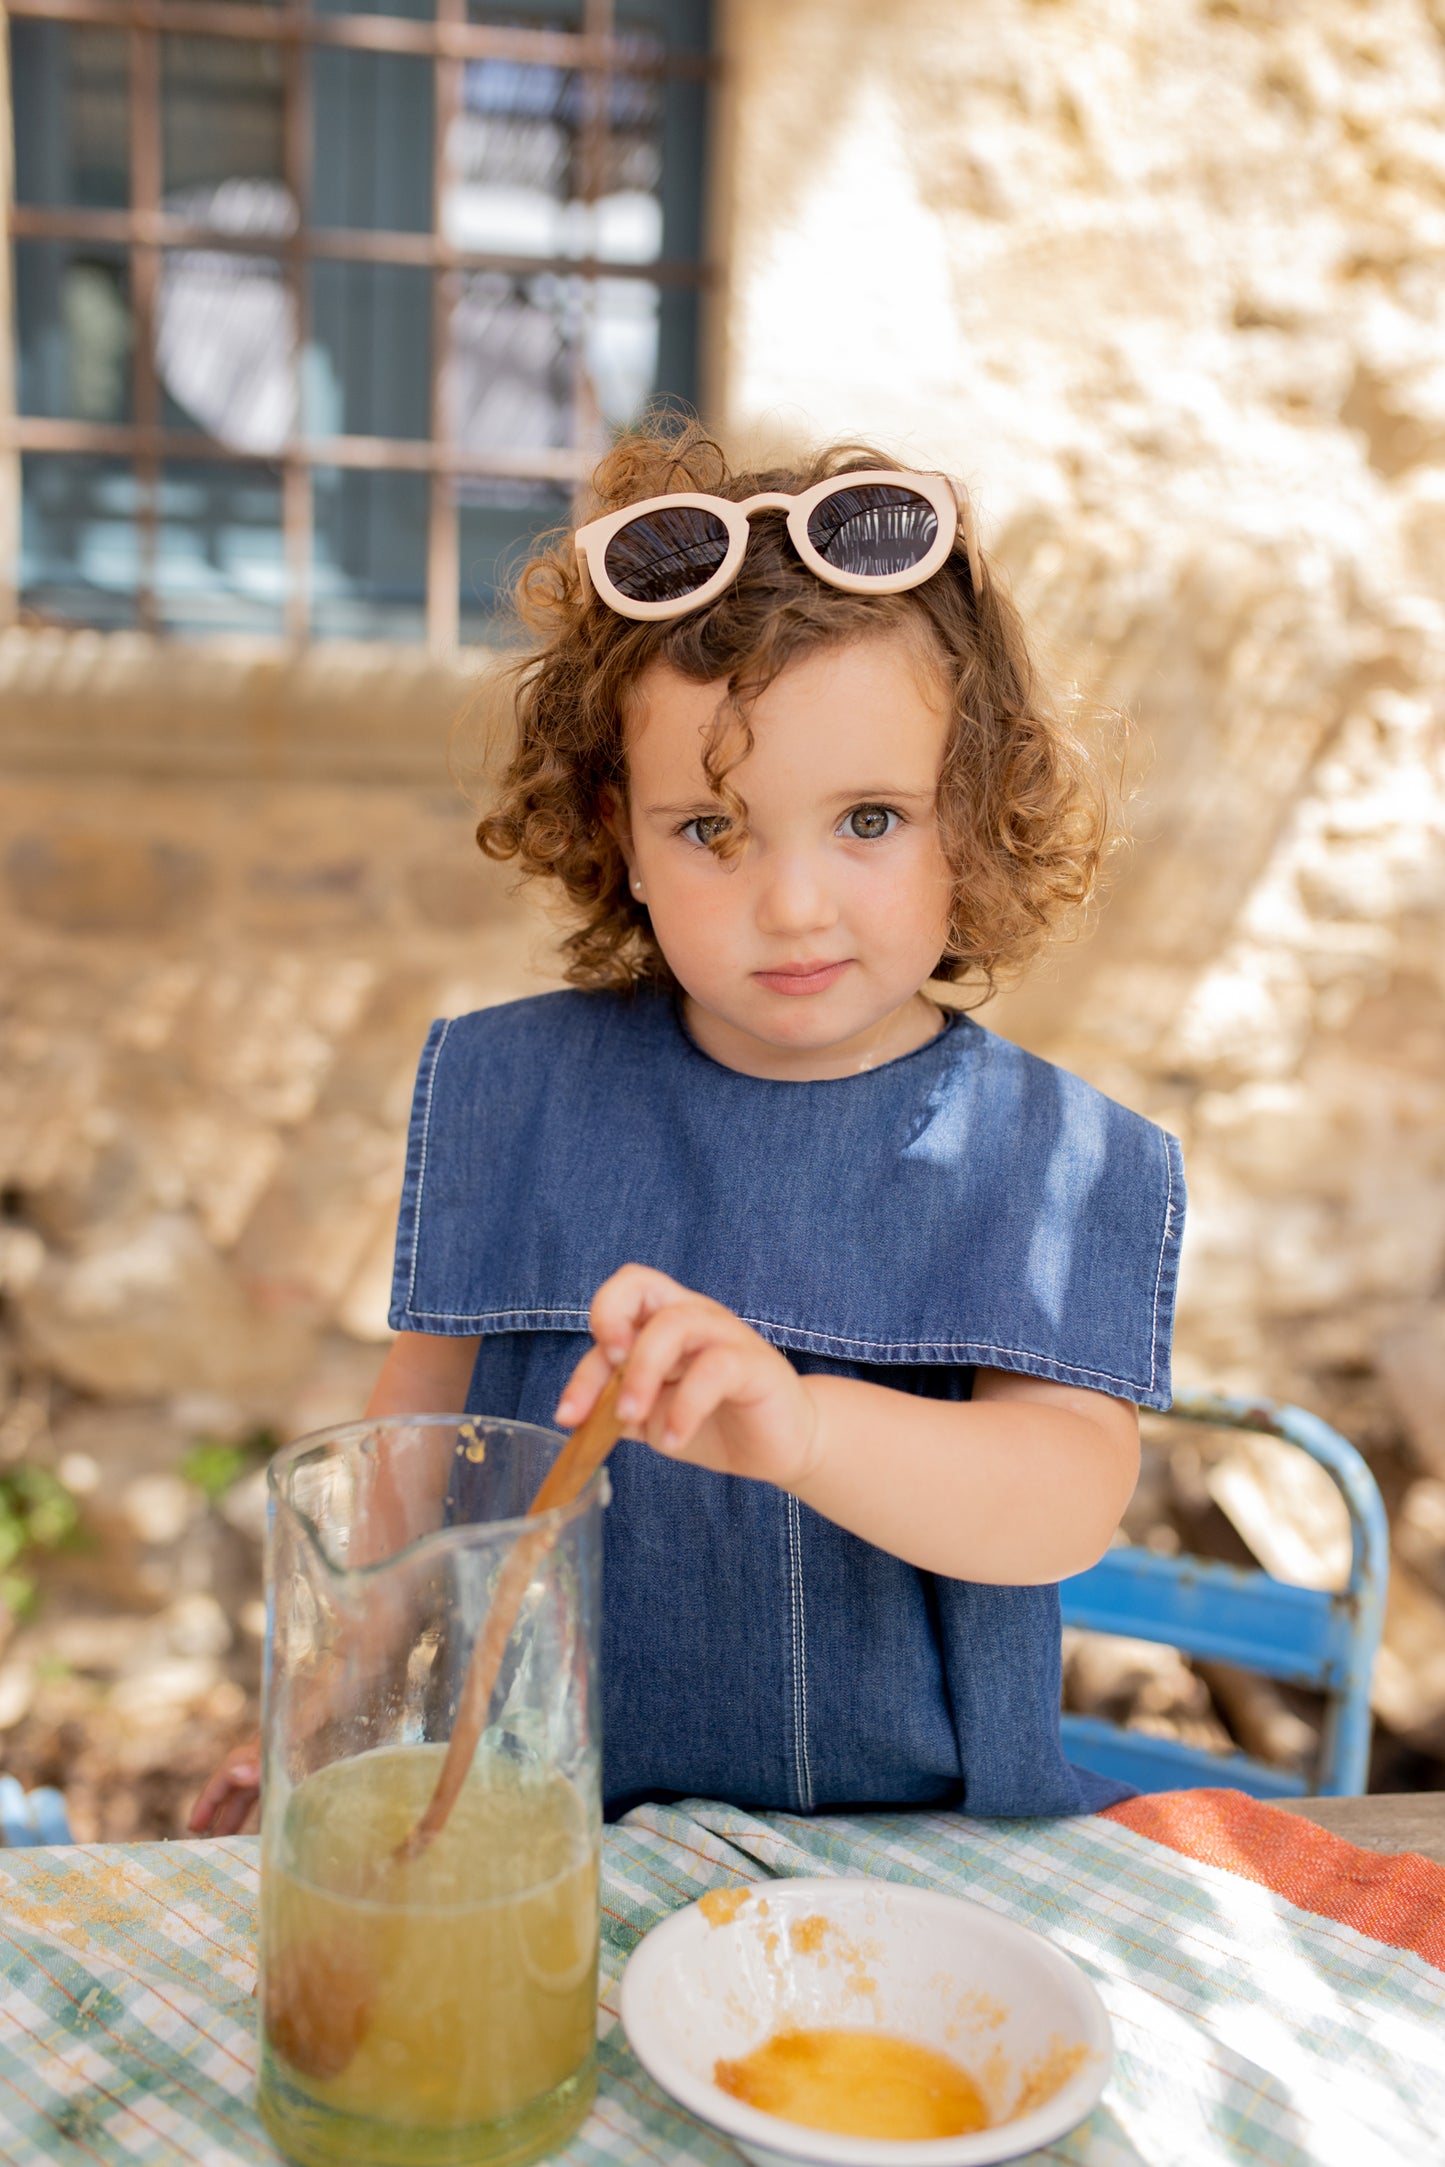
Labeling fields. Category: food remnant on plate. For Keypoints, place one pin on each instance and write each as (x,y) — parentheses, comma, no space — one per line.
(807,1935)
(856,2084)
(1049,2074)
(721,1906)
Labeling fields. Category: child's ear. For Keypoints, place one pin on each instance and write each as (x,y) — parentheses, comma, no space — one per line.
(618,823)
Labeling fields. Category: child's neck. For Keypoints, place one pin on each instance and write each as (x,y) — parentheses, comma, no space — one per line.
(903,1031)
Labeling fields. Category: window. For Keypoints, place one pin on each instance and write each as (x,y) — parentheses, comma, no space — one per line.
(322,316)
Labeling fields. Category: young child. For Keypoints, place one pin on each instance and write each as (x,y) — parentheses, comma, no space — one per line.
(886,1291)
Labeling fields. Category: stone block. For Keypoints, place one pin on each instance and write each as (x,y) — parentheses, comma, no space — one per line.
(93,880)
(363,1308)
(131,706)
(1275,1137)
(1411,1361)
(322,893)
(335,1388)
(1287,1509)
(456,891)
(373,1082)
(1261,1718)
(112,1442)
(1419,1530)
(1143,1685)
(1423,527)
(154,1313)
(316,1223)
(1409,1684)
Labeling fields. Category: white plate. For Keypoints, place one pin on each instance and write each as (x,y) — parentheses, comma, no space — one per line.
(717,1979)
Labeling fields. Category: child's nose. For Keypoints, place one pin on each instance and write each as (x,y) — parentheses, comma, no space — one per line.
(794,898)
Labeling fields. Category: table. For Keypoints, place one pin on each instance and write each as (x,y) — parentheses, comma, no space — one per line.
(1398,1821)
(1277,1995)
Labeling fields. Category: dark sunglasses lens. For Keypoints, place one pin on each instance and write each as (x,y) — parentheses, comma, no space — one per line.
(873,529)
(666,554)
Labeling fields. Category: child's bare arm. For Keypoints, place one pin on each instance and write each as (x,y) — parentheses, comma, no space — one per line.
(423,1375)
(1025,1483)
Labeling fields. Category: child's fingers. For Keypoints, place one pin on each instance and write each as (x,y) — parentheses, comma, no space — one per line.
(623,1304)
(198,1821)
(580,1393)
(229,1794)
(713,1377)
(231,1815)
(621,1307)
(673,1336)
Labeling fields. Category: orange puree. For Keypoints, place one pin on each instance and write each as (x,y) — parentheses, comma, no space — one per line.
(857,2084)
(721,1906)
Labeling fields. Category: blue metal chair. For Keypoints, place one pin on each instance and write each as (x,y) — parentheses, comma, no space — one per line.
(1221,1613)
(31,1817)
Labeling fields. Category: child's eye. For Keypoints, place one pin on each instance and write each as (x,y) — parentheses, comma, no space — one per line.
(705,830)
(869,823)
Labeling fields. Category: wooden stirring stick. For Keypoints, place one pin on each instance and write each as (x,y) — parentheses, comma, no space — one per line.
(570,1473)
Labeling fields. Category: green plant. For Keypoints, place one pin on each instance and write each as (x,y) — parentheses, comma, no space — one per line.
(37,1512)
(214,1465)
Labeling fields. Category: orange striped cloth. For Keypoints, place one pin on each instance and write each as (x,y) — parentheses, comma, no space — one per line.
(1397,1899)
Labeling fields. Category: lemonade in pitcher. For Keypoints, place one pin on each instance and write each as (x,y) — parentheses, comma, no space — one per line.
(437,2010)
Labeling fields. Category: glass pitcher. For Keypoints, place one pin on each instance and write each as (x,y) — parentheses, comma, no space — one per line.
(435,2009)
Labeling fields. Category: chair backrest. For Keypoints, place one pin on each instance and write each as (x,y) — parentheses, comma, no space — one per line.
(1301,1636)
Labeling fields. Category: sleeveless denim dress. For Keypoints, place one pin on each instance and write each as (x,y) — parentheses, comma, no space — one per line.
(964,1206)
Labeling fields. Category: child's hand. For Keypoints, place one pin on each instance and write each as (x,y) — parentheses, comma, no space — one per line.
(225,1803)
(698,1383)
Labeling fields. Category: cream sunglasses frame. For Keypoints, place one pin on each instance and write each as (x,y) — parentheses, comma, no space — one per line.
(953,512)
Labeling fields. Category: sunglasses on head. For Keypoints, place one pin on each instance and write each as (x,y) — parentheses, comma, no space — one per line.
(875,532)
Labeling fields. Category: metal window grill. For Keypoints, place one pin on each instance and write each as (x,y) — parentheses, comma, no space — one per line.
(594,58)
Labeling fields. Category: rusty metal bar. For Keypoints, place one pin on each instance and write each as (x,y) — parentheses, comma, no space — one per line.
(366,454)
(421,251)
(451,39)
(593,143)
(10,483)
(443,545)
(597,18)
(297,494)
(145,196)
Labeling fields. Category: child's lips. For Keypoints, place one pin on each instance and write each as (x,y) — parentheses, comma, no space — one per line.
(802,977)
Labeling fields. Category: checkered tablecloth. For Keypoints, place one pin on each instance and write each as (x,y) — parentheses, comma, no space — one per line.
(1252,2025)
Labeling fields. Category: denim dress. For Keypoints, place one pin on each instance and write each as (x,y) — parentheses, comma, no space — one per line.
(964,1206)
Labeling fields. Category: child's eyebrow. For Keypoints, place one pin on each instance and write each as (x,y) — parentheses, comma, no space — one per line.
(882,793)
(872,794)
(694,808)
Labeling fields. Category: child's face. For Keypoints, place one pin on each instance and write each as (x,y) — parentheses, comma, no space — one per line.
(804,954)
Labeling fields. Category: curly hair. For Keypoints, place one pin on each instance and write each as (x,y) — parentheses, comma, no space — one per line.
(1024,814)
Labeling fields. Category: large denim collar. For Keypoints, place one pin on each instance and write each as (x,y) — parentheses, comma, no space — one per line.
(967,1205)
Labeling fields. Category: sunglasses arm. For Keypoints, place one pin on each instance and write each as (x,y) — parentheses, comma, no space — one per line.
(970,541)
(584,570)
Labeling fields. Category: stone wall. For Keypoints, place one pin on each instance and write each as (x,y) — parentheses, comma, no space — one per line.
(1164,285)
(233,893)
